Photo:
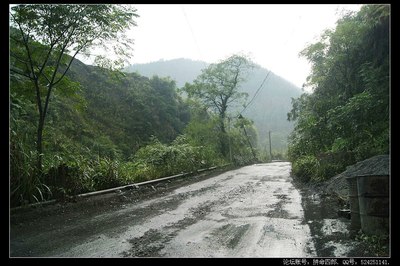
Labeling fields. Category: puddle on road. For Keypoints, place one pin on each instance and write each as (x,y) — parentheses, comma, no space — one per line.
(147,245)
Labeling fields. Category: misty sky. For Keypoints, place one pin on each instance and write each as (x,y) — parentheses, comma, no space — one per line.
(273,35)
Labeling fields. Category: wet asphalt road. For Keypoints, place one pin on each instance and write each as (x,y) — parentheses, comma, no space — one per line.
(254,211)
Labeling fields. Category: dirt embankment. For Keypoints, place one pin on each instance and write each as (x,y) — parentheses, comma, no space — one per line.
(337,185)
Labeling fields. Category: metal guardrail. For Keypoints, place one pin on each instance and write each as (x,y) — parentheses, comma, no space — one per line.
(136,185)
(121,188)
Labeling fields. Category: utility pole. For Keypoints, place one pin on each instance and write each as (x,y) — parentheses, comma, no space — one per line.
(248,140)
(229,138)
(270,149)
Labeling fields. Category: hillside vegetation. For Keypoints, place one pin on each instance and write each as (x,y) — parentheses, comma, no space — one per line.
(76,128)
(105,128)
(268,110)
(346,118)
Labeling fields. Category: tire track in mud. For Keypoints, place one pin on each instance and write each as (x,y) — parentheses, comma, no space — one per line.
(154,240)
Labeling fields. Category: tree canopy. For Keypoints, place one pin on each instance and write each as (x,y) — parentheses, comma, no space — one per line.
(347,113)
(45,39)
(217,87)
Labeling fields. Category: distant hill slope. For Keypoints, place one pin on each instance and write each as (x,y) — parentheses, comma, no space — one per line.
(121,113)
(268,110)
(270,107)
(181,70)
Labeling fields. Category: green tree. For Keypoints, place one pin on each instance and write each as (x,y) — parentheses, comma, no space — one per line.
(45,39)
(202,127)
(217,87)
(347,113)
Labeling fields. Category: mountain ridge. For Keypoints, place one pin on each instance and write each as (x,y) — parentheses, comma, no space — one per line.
(268,110)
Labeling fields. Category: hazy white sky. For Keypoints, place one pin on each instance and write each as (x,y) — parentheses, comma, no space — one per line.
(273,35)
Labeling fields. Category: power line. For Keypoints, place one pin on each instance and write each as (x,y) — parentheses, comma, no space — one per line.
(201,55)
(258,90)
(192,32)
(255,94)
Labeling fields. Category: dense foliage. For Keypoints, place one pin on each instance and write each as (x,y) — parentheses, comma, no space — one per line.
(203,130)
(106,129)
(43,36)
(268,110)
(92,131)
(217,88)
(346,117)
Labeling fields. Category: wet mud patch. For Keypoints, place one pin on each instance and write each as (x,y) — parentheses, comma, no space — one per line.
(197,213)
(316,210)
(147,245)
(278,211)
(203,190)
(127,217)
(273,178)
(56,228)
(236,193)
(266,230)
(229,235)
(283,197)
(153,241)
(330,233)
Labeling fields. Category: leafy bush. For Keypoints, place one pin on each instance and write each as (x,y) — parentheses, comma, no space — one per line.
(67,174)
(83,175)
(309,168)
(26,185)
(328,170)
(158,160)
(305,168)
(106,173)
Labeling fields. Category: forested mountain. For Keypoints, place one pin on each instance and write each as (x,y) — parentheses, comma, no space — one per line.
(268,110)
(97,122)
(270,107)
(130,109)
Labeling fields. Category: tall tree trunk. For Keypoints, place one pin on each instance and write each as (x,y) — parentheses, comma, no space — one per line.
(39,136)
(39,144)
(42,116)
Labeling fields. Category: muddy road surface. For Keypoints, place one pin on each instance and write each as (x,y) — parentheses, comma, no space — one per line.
(254,211)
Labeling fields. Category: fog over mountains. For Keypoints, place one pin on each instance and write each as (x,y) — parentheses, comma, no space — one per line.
(268,110)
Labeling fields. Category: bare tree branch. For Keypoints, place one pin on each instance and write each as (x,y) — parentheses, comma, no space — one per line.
(21,73)
(69,64)
(34,77)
